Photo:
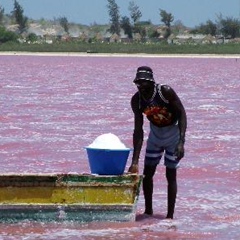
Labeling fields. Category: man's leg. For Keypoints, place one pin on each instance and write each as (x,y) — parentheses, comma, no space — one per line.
(148,173)
(171,175)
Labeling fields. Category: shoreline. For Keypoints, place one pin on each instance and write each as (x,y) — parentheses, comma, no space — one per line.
(82,54)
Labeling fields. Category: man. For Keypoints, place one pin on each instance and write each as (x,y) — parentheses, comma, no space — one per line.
(168,123)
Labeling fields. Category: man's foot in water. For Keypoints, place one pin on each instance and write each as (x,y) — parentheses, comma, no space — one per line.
(169,216)
(149,212)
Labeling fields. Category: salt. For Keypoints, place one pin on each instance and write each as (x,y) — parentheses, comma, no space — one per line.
(107,141)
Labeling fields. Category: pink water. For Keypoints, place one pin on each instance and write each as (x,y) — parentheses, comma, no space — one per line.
(54,106)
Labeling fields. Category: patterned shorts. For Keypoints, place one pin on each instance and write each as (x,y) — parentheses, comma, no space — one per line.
(162,141)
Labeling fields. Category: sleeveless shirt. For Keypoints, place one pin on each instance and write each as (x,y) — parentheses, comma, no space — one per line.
(157,109)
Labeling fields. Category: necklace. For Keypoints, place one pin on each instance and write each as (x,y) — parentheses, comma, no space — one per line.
(152,97)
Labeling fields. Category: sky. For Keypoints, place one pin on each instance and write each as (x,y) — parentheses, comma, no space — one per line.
(190,12)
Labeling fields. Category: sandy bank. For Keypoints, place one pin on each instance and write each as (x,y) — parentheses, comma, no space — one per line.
(75,54)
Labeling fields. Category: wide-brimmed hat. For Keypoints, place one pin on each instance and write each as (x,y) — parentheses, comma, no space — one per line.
(144,73)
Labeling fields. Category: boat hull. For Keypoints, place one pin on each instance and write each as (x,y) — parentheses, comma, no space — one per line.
(63,197)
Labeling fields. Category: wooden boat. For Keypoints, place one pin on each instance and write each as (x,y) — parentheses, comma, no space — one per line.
(64,197)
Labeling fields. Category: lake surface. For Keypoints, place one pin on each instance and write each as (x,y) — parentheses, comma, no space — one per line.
(54,106)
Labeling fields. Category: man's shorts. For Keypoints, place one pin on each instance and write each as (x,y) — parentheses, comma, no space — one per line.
(162,141)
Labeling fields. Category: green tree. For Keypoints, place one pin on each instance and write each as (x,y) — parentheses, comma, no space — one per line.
(113,10)
(20,19)
(126,26)
(1,15)
(6,36)
(64,23)
(140,28)
(135,13)
(153,33)
(230,27)
(32,37)
(211,28)
(178,27)
(208,28)
(167,19)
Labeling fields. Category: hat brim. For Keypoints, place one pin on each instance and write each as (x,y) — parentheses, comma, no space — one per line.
(143,76)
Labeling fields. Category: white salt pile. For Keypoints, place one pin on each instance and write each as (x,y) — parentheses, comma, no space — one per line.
(107,141)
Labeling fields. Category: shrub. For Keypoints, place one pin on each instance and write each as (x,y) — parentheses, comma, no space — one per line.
(6,36)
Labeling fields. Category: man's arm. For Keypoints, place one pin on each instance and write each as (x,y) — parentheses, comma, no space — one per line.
(178,107)
(137,133)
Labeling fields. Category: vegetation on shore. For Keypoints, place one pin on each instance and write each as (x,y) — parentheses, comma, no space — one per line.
(140,37)
(154,48)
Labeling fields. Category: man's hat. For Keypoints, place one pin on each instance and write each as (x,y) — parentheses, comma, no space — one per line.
(144,73)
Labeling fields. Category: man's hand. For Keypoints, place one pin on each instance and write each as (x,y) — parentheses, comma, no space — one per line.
(133,169)
(179,152)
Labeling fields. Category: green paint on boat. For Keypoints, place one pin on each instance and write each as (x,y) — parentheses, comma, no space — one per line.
(64,197)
